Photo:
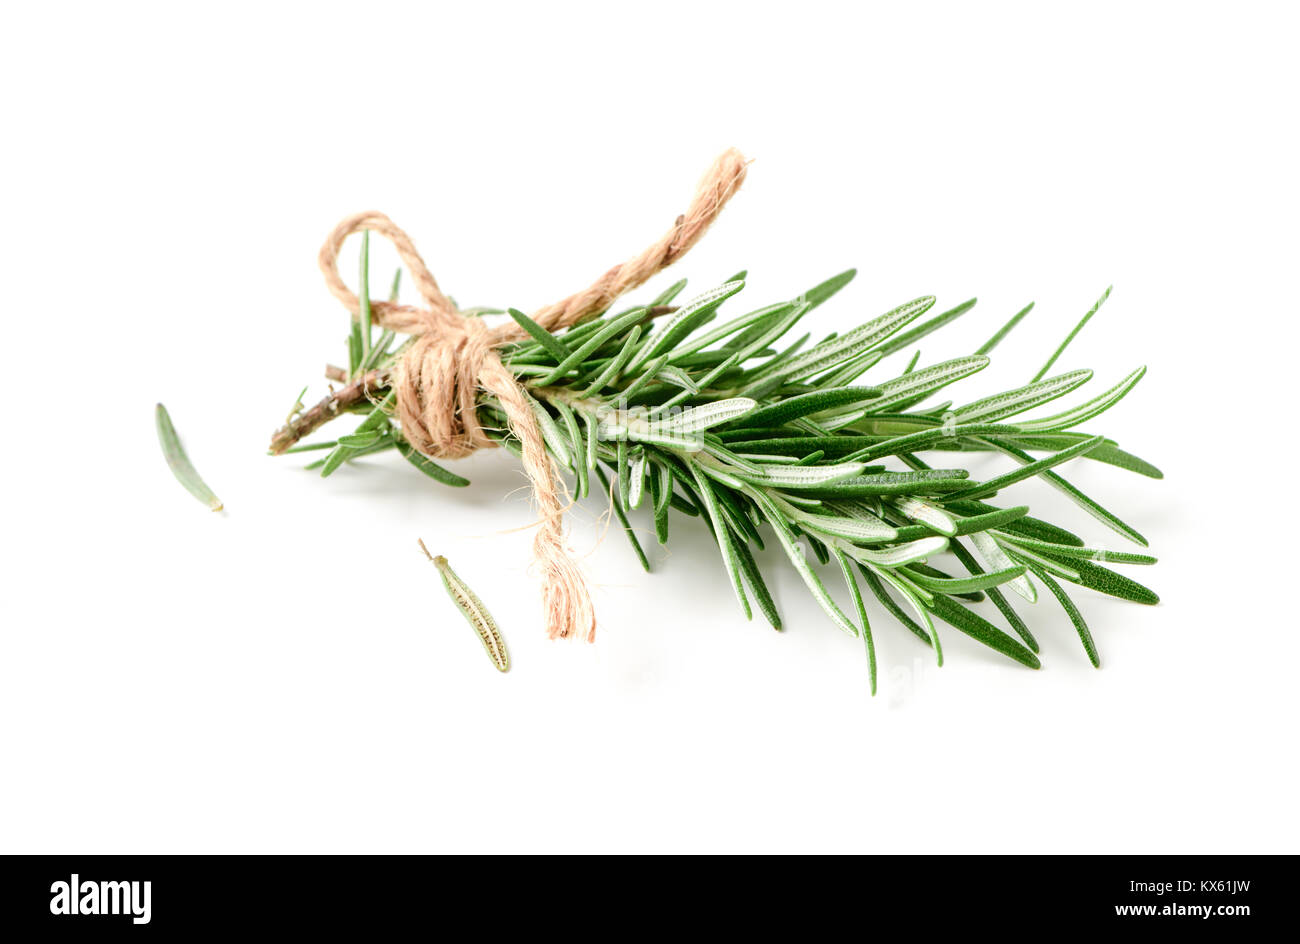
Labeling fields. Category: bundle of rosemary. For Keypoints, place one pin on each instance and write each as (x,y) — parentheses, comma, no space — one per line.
(670,408)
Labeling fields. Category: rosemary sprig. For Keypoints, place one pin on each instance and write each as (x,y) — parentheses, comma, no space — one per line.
(669,410)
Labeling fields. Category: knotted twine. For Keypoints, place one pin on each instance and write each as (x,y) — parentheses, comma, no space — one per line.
(454,356)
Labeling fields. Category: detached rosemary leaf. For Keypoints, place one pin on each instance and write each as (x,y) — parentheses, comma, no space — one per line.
(472,608)
(179,462)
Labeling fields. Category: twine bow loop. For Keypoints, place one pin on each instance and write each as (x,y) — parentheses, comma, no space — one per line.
(454,357)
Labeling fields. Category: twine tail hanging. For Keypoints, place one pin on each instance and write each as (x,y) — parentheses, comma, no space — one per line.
(454,356)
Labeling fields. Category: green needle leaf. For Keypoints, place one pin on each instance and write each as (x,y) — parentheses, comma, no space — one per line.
(1085,573)
(1078,497)
(900,554)
(699,418)
(429,467)
(923,512)
(1074,553)
(179,462)
(363,296)
(723,535)
(857,530)
(860,339)
(806,404)
(801,565)
(922,383)
(591,344)
(616,503)
(988,346)
(685,320)
(1017,401)
(856,592)
(1071,336)
(801,476)
(923,626)
(754,580)
(908,338)
(821,292)
(1029,470)
(1085,411)
(999,600)
(956,585)
(553,345)
(997,560)
(981,630)
(1081,627)
(472,608)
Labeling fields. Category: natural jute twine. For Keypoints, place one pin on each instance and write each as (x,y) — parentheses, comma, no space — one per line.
(454,356)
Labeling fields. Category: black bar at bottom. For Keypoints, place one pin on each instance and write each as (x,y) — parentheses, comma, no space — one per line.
(149,895)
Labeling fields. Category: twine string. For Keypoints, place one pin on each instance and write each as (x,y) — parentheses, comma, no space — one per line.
(454,356)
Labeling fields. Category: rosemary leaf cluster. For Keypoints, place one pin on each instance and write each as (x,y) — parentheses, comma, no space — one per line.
(745,424)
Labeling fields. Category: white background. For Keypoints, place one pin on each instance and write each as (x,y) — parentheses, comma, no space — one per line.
(290,676)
